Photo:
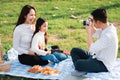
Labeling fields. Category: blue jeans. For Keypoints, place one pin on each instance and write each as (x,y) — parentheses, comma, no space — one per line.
(83,61)
(55,57)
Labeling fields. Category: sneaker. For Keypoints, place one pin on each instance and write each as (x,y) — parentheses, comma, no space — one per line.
(78,73)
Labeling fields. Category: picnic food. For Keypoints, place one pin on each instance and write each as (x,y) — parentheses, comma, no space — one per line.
(35,69)
(46,70)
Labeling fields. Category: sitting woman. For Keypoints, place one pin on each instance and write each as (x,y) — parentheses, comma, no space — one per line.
(40,40)
(22,37)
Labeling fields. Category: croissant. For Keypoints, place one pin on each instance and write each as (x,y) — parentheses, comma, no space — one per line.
(35,69)
(46,70)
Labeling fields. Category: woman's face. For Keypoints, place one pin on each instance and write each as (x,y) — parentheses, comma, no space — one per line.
(30,18)
(44,27)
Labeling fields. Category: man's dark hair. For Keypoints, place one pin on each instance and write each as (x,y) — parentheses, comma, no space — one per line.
(100,14)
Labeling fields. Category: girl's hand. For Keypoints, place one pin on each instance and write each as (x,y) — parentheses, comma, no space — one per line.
(41,47)
(48,51)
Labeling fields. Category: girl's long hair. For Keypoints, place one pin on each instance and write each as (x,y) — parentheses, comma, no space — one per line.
(39,23)
(25,10)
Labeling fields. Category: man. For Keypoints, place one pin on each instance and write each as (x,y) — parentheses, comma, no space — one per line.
(102,53)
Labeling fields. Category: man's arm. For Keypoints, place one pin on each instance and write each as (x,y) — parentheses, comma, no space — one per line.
(90,31)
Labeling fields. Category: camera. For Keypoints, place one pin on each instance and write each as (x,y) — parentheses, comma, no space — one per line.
(87,22)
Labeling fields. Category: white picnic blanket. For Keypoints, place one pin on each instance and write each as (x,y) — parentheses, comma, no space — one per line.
(66,67)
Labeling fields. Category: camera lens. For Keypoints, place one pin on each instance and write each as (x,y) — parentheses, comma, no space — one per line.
(87,22)
(84,23)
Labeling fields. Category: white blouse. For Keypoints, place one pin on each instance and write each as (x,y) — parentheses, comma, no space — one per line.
(38,39)
(22,38)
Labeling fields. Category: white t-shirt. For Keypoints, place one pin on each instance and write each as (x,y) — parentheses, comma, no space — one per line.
(106,47)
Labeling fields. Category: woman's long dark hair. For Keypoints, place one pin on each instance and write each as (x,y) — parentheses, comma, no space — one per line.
(39,23)
(25,10)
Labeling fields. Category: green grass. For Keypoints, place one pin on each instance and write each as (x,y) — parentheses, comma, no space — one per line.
(63,30)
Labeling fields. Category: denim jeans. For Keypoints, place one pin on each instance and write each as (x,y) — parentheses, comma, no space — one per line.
(55,57)
(83,61)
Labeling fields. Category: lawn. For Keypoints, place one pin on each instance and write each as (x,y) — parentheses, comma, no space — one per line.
(64,29)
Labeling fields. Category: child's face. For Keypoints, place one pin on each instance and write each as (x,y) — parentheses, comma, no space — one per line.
(44,27)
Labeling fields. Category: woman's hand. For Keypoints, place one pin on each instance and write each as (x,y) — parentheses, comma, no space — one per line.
(31,52)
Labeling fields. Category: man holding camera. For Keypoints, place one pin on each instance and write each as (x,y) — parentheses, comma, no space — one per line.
(102,53)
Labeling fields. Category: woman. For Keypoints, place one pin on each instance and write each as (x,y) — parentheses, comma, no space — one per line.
(22,37)
(40,40)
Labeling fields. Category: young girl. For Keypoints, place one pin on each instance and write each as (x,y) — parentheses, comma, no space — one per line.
(39,42)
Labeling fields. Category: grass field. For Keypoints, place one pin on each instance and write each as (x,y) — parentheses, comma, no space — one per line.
(63,30)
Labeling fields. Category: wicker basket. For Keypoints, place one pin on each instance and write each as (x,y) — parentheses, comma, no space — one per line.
(1,55)
(5,67)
